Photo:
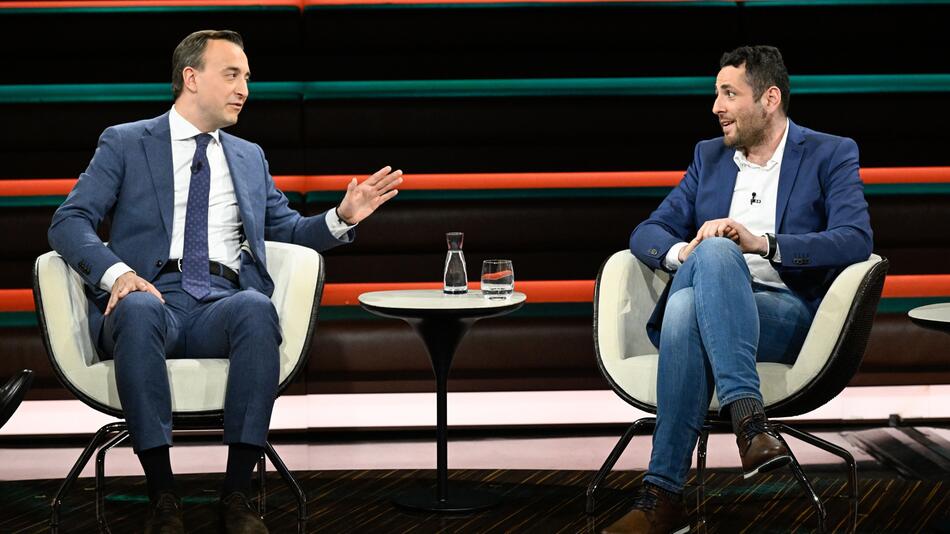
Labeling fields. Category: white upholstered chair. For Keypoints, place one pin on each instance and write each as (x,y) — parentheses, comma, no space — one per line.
(625,295)
(197,385)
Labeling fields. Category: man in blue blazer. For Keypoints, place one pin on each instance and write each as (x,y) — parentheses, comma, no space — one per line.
(763,221)
(184,271)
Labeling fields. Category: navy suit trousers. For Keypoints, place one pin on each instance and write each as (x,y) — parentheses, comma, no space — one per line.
(241,325)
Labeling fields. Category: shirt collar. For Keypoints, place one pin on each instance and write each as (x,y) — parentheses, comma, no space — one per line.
(776,159)
(181,129)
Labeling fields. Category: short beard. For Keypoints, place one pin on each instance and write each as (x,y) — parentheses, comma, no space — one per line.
(751,136)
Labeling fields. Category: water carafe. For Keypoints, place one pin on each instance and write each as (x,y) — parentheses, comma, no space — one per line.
(455,277)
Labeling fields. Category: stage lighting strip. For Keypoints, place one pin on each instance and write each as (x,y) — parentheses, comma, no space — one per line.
(474,186)
(478,88)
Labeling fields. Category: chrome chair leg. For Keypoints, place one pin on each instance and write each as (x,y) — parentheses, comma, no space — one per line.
(829,447)
(77,468)
(701,479)
(261,490)
(613,457)
(803,481)
(294,486)
(101,482)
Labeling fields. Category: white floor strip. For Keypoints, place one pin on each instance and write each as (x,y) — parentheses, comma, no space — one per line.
(395,410)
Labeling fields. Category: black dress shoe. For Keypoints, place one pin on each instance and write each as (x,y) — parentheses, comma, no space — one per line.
(164,517)
(237,517)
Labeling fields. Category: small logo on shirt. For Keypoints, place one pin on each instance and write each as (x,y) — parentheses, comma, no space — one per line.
(754,200)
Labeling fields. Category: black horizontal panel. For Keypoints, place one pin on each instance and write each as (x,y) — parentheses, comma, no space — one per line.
(852,39)
(136,46)
(522,41)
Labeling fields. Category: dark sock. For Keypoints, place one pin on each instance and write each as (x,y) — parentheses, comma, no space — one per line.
(743,408)
(158,471)
(241,461)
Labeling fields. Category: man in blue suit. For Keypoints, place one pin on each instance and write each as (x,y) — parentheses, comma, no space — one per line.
(184,272)
(763,221)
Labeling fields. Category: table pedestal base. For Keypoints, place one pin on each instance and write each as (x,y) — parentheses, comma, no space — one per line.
(459,499)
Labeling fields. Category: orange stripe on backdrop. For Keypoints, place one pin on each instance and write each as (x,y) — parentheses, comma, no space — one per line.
(538,180)
(917,285)
(60,4)
(538,292)
(16,300)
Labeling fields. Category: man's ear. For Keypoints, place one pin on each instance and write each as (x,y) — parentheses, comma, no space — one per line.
(772,98)
(188,75)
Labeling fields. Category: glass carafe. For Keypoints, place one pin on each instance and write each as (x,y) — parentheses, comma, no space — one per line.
(455,277)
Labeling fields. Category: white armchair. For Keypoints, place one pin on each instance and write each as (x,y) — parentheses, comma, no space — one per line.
(626,293)
(197,385)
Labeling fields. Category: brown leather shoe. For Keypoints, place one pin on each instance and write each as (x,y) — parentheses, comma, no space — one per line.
(237,517)
(760,446)
(164,517)
(654,512)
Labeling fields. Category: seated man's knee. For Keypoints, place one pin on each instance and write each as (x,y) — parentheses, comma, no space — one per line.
(717,249)
(254,309)
(139,306)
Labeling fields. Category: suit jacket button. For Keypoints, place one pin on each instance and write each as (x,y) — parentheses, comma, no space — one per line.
(158,263)
(653,252)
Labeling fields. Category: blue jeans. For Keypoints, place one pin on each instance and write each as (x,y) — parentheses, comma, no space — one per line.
(717,324)
(242,326)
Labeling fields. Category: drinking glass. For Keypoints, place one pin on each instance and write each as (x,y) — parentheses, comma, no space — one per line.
(498,279)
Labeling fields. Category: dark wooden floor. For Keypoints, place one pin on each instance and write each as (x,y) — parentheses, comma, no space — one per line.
(532,501)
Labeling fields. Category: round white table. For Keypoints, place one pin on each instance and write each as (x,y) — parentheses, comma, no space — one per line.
(932,316)
(441,321)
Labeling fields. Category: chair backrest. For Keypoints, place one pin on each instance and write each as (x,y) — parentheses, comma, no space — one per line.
(198,385)
(627,291)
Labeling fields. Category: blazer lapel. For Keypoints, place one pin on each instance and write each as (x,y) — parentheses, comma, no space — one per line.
(239,173)
(791,160)
(158,151)
(726,172)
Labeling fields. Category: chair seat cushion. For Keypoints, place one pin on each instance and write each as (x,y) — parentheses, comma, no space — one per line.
(639,374)
(197,385)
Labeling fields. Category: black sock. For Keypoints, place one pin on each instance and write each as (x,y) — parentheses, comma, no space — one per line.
(241,461)
(742,408)
(158,471)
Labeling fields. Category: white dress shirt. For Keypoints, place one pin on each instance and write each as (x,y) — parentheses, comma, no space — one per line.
(754,201)
(225,231)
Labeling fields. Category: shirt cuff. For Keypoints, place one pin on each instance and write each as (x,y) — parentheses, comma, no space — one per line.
(112,274)
(337,227)
(672,259)
(777,257)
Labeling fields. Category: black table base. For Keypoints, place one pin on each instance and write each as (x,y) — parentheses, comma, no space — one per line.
(460,499)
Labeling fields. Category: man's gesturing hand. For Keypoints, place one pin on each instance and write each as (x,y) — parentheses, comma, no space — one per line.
(128,283)
(362,199)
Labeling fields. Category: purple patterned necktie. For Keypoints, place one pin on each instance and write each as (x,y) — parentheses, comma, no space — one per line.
(195,274)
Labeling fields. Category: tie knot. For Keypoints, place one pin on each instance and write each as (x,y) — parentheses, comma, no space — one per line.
(202,141)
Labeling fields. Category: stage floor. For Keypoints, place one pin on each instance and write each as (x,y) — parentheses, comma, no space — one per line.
(534,494)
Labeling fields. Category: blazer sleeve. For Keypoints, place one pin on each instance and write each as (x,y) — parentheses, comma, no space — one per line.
(672,222)
(847,238)
(281,223)
(72,232)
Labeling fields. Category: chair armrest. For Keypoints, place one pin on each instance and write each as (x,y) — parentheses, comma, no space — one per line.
(298,285)
(624,297)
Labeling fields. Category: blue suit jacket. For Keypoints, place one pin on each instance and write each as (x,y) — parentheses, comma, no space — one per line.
(130,179)
(821,219)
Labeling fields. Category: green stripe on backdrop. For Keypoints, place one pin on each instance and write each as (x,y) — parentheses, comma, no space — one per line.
(898,306)
(541,87)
